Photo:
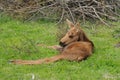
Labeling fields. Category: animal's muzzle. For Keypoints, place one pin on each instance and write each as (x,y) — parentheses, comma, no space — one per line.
(62,44)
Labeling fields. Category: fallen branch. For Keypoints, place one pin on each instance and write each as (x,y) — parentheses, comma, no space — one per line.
(61,9)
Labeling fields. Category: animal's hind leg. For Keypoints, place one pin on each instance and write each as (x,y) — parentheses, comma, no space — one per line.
(25,62)
(39,61)
(52,59)
(73,57)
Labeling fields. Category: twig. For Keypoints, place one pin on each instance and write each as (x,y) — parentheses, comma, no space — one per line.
(61,18)
(70,13)
(100,18)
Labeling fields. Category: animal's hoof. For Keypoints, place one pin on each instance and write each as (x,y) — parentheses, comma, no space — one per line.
(11,61)
(14,61)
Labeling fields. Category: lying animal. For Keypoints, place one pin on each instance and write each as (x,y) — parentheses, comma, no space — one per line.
(75,46)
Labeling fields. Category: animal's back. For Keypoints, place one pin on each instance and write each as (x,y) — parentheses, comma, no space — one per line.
(77,51)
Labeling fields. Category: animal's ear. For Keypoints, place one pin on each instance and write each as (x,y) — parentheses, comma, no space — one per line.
(78,25)
(70,24)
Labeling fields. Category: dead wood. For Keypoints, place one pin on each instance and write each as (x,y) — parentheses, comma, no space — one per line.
(61,9)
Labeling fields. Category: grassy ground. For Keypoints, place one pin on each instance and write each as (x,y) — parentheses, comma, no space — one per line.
(18,41)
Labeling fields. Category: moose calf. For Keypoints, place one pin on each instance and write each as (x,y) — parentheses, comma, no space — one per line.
(75,47)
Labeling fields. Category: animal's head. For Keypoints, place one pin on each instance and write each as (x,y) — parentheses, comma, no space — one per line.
(74,34)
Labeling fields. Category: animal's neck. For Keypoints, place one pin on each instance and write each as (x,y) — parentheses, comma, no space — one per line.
(84,38)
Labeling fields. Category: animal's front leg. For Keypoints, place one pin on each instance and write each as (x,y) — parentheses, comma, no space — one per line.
(55,47)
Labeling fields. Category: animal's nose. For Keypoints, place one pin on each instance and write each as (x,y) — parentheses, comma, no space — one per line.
(62,44)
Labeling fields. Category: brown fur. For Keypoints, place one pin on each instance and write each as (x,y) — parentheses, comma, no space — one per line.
(75,47)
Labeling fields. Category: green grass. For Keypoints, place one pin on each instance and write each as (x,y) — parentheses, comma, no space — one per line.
(18,41)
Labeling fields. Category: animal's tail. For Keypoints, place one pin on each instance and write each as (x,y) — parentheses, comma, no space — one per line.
(39,61)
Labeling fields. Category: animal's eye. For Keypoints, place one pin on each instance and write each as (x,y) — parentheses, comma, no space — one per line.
(70,36)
